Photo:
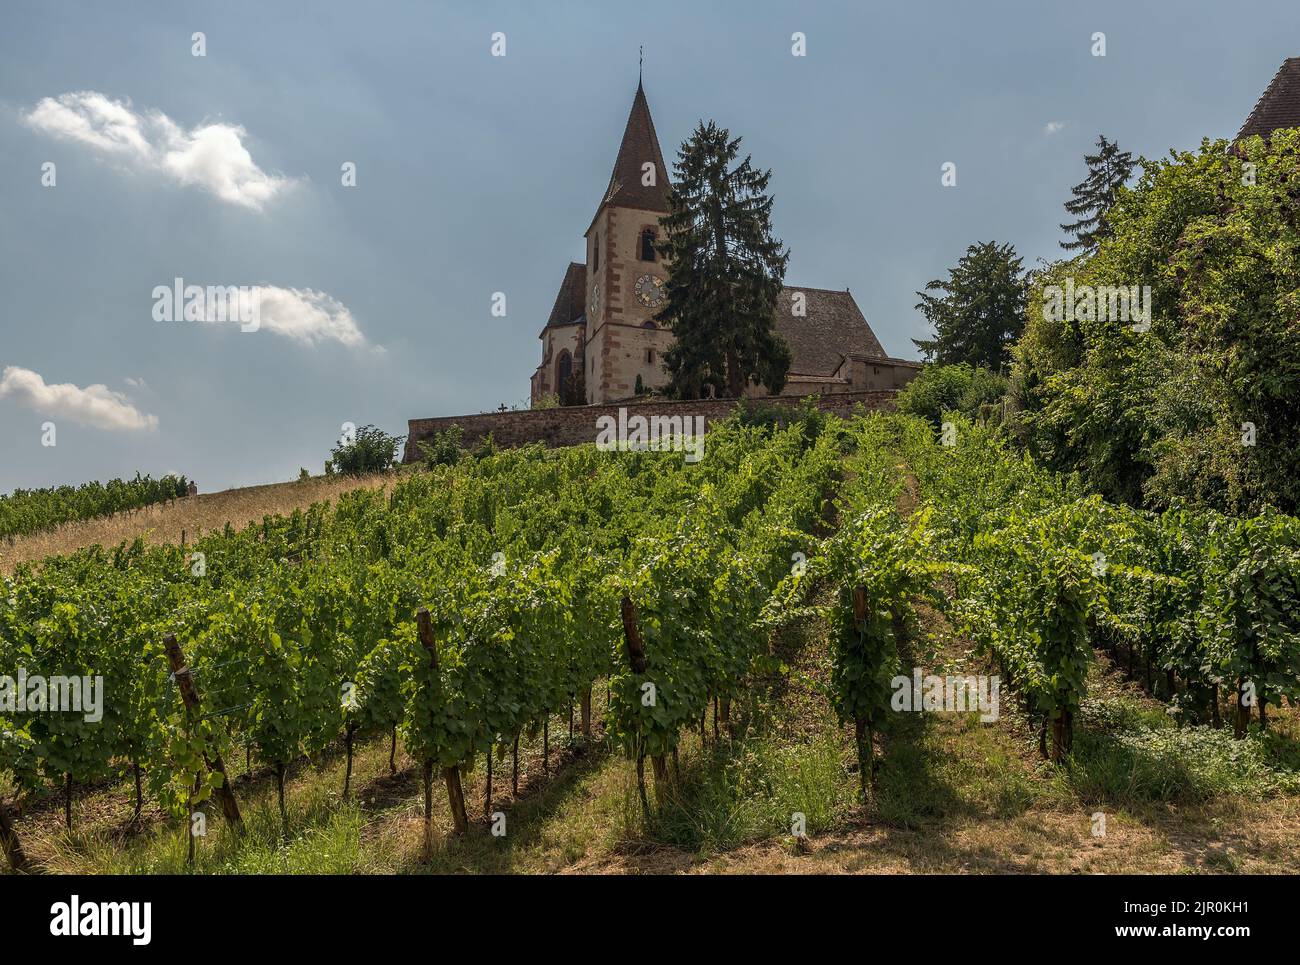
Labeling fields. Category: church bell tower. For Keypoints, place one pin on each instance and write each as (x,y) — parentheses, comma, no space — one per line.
(625,273)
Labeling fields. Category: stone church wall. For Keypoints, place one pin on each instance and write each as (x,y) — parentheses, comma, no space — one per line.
(575,425)
(558,339)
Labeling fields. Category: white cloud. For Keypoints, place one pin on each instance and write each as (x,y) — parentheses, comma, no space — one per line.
(95,405)
(302,314)
(135,383)
(308,316)
(1053,127)
(211,156)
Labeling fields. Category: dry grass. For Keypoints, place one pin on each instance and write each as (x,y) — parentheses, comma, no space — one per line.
(165,522)
(1224,838)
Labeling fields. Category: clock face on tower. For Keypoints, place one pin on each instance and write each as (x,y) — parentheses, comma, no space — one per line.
(650,290)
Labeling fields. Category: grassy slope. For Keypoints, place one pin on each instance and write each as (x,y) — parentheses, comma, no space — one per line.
(953,795)
(164,522)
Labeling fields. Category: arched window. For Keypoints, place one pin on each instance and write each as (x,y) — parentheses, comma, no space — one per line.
(595,252)
(648,244)
(649,324)
(563,370)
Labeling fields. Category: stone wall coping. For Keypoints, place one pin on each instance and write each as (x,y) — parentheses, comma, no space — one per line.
(576,425)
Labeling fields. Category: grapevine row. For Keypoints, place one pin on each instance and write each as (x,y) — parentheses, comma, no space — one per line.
(521,567)
(26,511)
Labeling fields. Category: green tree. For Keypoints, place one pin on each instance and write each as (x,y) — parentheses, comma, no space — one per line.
(1108,171)
(725,272)
(1197,403)
(981,310)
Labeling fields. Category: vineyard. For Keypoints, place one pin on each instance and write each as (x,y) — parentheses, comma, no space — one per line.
(470,608)
(26,511)
(1200,606)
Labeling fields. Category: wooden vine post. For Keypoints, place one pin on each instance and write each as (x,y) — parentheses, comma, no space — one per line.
(189,821)
(1241,719)
(862,735)
(349,736)
(451,775)
(1062,731)
(428,810)
(139,793)
(636,660)
(190,696)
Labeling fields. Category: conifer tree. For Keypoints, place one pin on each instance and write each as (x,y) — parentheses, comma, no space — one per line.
(725,272)
(1108,170)
(980,311)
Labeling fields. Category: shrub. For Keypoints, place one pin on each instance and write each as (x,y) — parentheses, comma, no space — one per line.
(751,412)
(445,448)
(371,450)
(951,388)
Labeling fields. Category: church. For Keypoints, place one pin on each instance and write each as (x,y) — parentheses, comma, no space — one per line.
(601,343)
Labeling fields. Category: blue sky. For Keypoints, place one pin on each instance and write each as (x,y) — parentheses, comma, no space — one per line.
(478,174)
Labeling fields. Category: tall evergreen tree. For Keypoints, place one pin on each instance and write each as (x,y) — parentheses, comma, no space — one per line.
(981,310)
(1108,170)
(725,272)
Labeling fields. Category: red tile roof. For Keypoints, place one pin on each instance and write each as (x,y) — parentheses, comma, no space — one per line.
(568,308)
(1279,105)
(833,327)
(640,144)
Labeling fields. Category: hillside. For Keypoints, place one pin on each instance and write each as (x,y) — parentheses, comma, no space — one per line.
(906,557)
(191,515)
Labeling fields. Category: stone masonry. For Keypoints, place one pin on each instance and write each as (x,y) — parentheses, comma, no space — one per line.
(576,425)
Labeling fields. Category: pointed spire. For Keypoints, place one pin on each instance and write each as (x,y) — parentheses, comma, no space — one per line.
(640,146)
(1279,105)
